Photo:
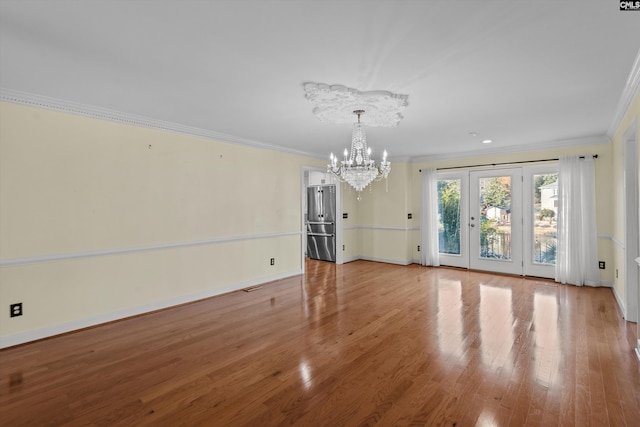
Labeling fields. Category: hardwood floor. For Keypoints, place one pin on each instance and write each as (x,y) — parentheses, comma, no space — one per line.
(359,344)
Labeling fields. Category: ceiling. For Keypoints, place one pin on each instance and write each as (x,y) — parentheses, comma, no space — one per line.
(523,74)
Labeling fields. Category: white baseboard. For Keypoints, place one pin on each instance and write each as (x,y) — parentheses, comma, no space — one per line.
(49,331)
(385,260)
(388,261)
(619,301)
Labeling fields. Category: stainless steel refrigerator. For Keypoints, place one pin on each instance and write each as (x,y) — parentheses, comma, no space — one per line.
(321,222)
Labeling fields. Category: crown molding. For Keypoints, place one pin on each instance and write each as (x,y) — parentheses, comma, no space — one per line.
(564,143)
(40,101)
(45,102)
(630,91)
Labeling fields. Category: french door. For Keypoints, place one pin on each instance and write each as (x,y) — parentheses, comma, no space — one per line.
(499,220)
(495,221)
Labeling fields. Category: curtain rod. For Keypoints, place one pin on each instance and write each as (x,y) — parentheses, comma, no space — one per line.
(595,156)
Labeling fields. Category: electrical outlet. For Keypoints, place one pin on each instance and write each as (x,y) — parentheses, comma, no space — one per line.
(15,310)
(409,216)
(418,248)
(343,247)
(273,261)
(616,273)
(601,265)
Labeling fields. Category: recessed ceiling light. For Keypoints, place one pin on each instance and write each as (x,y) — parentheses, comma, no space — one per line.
(487,141)
(473,134)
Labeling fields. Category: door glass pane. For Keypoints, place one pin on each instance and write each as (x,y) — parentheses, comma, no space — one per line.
(495,217)
(449,216)
(545,212)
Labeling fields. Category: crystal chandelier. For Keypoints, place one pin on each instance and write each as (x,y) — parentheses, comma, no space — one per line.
(357,169)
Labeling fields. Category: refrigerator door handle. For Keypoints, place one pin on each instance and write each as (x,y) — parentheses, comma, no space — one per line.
(320,234)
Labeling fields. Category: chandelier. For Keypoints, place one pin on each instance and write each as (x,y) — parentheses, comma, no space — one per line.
(357,168)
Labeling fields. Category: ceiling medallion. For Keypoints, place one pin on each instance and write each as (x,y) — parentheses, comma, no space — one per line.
(336,104)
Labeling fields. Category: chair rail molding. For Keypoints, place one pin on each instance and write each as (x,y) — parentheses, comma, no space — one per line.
(12,262)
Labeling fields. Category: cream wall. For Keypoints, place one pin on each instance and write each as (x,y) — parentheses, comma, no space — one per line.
(100,220)
(385,230)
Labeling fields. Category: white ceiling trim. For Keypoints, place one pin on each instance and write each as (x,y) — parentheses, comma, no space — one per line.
(630,91)
(32,100)
(565,143)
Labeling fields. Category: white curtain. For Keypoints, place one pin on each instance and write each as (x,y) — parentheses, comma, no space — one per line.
(429,222)
(577,250)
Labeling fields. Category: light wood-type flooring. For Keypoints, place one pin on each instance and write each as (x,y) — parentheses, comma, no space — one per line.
(364,343)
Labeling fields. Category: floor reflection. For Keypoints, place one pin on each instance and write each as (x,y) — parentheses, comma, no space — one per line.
(323,293)
(496,326)
(450,332)
(487,419)
(305,375)
(547,349)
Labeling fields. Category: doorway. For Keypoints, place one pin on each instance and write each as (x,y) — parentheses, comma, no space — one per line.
(495,220)
(315,176)
(499,220)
